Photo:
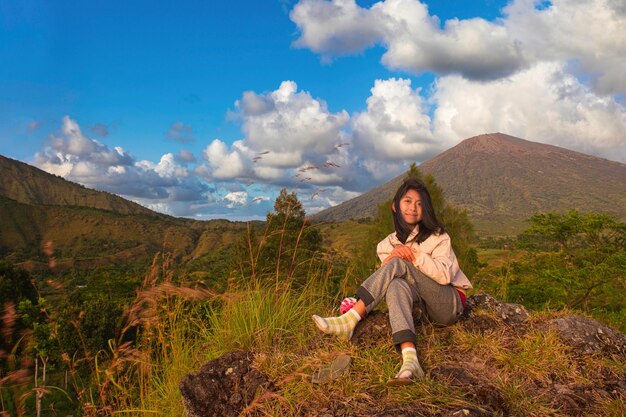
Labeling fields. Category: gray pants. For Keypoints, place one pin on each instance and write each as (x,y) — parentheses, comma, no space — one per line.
(403,284)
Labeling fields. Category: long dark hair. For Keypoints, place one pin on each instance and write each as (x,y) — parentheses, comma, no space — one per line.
(429,223)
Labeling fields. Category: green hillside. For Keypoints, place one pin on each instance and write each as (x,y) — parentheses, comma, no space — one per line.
(26,184)
(88,237)
(88,229)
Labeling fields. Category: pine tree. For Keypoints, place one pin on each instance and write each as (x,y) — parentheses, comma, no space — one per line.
(289,240)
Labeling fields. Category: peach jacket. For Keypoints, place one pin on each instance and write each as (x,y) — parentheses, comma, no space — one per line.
(434,257)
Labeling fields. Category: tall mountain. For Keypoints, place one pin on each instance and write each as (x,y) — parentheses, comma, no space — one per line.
(501,180)
(26,184)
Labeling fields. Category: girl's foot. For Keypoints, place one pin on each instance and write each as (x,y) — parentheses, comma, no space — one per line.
(342,326)
(410,370)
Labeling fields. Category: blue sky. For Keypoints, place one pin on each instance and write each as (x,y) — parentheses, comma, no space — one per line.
(206,109)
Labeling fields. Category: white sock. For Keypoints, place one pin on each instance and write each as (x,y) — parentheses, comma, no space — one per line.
(341,326)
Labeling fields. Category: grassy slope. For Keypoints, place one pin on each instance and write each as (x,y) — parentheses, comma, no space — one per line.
(27,184)
(481,364)
(98,237)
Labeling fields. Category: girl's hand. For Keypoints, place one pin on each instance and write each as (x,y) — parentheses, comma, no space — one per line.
(402,252)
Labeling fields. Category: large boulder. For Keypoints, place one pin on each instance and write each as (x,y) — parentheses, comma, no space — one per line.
(589,335)
(224,387)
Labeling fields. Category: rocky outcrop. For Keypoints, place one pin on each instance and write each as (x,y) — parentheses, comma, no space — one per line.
(229,384)
(588,335)
(508,312)
(223,387)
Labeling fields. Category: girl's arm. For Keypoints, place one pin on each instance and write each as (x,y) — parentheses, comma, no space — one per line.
(402,252)
(438,264)
(386,251)
(383,249)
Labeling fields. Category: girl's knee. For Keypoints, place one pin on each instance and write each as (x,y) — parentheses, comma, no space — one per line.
(396,262)
(397,287)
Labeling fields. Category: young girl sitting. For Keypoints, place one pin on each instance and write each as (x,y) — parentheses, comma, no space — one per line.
(418,266)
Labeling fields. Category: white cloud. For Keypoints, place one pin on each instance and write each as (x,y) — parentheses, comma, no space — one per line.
(222,162)
(289,121)
(588,35)
(78,158)
(285,129)
(72,144)
(236,198)
(591,33)
(543,103)
(476,48)
(336,27)
(396,125)
(168,167)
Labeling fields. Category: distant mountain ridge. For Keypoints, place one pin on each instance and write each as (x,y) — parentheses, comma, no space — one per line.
(501,180)
(90,228)
(30,185)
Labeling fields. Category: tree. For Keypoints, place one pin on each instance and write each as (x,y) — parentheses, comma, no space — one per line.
(16,286)
(288,242)
(43,343)
(582,253)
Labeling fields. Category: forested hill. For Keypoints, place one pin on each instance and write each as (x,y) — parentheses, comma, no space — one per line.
(501,180)
(89,228)
(26,184)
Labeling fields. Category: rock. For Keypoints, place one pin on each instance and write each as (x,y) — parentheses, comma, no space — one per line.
(372,329)
(375,327)
(589,335)
(508,312)
(223,387)
(338,367)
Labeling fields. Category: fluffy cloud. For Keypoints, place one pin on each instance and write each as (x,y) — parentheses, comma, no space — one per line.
(78,158)
(543,103)
(336,27)
(396,125)
(224,163)
(590,33)
(287,122)
(222,187)
(73,154)
(285,130)
(477,49)
(236,198)
(169,167)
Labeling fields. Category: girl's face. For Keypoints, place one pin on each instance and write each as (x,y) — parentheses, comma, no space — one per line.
(411,207)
